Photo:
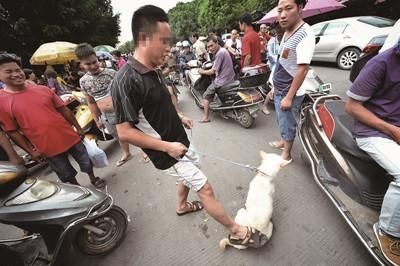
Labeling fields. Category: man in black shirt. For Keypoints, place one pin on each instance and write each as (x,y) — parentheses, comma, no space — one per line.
(146,118)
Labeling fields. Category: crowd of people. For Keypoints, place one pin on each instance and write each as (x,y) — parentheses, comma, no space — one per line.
(134,102)
(136,106)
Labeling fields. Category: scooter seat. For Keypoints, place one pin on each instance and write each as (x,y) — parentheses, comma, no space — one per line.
(342,136)
(230,86)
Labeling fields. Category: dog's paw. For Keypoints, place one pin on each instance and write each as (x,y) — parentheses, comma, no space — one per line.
(223,243)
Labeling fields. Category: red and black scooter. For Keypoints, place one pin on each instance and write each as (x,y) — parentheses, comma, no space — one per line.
(351,179)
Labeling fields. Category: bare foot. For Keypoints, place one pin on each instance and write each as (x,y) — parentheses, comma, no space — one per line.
(276,144)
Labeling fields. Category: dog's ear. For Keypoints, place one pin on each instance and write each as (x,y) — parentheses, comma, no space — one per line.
(263,155)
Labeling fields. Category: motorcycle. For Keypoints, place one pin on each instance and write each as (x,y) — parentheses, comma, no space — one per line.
(76,102)
(58,215)
(238,100)
(350,178)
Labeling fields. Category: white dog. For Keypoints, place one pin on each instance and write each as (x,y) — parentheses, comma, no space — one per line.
(258,209)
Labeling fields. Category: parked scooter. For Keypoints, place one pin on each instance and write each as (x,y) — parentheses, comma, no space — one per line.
(234,100)
(76,102)
(57,214)
(352,180)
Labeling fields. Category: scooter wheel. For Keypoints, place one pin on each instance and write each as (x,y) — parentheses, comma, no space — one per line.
(244,118)
(113,224)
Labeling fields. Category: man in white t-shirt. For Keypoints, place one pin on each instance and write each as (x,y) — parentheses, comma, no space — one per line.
(234,45)
(297,48)
(199,47)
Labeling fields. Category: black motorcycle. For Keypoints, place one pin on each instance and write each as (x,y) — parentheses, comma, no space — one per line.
(351,179)
(239,100)
(57,214)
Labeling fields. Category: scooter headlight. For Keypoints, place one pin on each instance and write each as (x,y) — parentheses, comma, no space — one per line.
(38,191)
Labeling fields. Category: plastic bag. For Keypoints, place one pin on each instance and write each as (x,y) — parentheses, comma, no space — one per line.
(96,155)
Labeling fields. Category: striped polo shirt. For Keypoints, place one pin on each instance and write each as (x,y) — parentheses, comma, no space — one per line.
(296,49)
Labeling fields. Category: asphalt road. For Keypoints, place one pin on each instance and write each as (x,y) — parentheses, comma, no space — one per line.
(307,228)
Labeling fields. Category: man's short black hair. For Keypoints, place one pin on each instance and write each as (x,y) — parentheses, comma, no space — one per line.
(213,39)
(195,35)
(246,19)
(116,53)
(10,58)
(84,50)
(145,19)
(301,2)
(27,72)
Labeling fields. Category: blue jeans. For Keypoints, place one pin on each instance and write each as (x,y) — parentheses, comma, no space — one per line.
(287,120)
(386,153)
(63,167)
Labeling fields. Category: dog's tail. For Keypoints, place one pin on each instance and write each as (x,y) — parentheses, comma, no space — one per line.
(223,243)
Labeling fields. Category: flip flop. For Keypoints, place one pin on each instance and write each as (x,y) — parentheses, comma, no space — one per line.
(205,121)
(253,239)
(286,162)
(194,206)
(274,145)
(123,161)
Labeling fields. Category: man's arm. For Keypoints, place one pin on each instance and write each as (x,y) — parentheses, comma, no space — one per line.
(9,149)
(298,79)
(362,114)
(23,142)
(69,116)
(135,137)
(247,60)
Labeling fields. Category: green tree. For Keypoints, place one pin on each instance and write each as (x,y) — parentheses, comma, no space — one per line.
(200,15)
(183,19)
(126,47)
(27,24)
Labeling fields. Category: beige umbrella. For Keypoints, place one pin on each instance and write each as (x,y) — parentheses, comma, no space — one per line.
(54,53)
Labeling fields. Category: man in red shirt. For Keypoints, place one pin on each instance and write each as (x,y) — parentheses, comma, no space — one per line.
(251,46)
(44,120)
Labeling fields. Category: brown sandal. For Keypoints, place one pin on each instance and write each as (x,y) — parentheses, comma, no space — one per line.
(253,239)
(194,206)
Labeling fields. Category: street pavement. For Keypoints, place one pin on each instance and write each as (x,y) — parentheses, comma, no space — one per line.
(308,230)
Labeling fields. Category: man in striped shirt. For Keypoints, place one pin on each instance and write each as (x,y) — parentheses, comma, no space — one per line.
(297,48)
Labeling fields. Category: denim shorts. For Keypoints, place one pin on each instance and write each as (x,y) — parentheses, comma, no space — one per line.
(62,166)
(287,120)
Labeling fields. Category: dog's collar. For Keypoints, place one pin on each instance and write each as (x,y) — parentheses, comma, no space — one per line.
(262,173)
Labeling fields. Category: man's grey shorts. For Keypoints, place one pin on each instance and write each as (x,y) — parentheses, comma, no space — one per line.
(109,121)
(187,171)
(210,92)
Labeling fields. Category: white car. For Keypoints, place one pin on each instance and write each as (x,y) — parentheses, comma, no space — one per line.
(341,40)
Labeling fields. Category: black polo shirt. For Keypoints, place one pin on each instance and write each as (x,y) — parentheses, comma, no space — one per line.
(141,97)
